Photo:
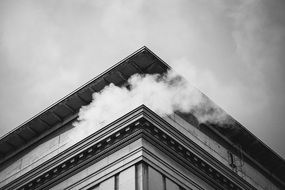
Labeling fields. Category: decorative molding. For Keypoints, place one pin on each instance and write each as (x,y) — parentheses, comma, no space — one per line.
(190,159)
(83,157)
(141,127)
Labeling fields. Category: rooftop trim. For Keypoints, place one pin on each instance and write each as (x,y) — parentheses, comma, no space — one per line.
(139,125)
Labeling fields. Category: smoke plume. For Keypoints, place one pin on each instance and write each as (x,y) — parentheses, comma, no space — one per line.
(164,94)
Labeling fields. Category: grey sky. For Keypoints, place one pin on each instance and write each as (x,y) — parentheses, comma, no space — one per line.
(235,52)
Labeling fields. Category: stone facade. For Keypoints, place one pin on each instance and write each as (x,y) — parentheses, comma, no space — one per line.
(139,151)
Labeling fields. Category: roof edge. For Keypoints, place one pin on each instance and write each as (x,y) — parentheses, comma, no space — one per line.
(144,48)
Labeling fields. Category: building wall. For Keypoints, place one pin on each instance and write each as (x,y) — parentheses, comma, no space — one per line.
(59,141)
(244,170)
(132,179)
(34,156)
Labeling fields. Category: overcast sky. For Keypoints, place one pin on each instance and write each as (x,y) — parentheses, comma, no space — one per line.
(234,49)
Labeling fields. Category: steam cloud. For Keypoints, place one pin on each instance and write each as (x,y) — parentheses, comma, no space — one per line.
(164,94)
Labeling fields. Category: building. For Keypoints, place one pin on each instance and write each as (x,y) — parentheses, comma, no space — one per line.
(139,151)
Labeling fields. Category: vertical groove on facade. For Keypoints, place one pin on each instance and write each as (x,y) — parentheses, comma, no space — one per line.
(145,177)
(164,182)
(138,180)
(116,184)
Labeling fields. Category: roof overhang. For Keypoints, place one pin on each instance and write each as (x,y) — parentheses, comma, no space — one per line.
(66,109)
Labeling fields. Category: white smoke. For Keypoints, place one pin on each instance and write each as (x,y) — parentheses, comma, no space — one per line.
(164,94)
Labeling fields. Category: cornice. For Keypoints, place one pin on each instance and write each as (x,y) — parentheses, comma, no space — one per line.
(162,130)
(190,160)
(138,126)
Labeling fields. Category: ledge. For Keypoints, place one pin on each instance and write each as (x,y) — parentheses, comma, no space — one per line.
(140,123)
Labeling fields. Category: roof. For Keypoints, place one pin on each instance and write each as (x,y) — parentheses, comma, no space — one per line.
(141,61)
(66,109)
